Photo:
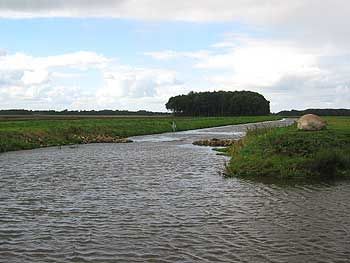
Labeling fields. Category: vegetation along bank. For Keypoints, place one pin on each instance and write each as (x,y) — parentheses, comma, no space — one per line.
(287,153)
(29,134)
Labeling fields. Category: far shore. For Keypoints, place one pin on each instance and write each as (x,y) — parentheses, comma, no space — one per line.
(74,117)
(23,134)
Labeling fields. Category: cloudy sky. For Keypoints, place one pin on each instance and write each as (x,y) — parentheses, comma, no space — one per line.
(135,54)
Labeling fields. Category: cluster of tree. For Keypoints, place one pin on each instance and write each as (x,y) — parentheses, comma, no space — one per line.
(321,112)
(80,113)
(219,103)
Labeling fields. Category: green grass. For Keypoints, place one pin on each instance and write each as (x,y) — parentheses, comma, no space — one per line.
(29,134)
(286,153)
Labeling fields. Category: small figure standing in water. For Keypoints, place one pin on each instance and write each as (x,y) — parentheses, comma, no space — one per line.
(173,126)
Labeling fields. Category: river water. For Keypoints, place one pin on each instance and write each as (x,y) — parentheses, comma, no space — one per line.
(160,199)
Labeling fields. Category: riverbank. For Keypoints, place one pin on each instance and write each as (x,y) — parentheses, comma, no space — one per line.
(286,153)
(30,134)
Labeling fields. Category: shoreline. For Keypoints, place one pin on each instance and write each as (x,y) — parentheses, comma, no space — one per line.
(288,154)
(26,135)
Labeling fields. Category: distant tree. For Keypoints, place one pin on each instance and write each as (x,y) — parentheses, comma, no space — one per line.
(321,112)
(79,113)
(219,103)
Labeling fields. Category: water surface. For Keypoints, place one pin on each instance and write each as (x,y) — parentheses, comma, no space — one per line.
(161,199)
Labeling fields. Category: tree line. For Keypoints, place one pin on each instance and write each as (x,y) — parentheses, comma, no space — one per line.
(80,113)
(219,103)
(321,112)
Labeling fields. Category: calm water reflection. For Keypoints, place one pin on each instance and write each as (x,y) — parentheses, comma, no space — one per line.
(161,199)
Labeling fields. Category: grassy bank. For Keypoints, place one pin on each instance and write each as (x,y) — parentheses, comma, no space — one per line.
(286,153)
(29,134)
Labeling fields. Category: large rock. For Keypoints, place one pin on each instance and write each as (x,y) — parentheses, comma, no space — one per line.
(311,122)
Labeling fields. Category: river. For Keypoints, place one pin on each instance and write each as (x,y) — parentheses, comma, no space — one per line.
(161,199)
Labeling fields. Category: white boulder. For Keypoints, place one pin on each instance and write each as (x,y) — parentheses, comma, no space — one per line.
(311,122)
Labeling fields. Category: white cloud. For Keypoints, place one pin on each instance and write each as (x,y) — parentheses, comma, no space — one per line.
(247,61)
(170,54)
(79,60)
(311,21)
(289,75)
(305,63)
(20,71)
(36,82)
(3,52)
(301,93)
(144,9)
(192,10)
(26,80)
(267,11)
(35,77)
(262,63)
(131,84)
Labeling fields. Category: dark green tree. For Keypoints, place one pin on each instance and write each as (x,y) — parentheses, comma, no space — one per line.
(219,103)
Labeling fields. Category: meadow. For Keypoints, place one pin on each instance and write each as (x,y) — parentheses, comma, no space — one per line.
(28,133)
(287,153)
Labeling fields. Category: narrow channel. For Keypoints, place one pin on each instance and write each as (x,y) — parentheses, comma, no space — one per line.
(161,199)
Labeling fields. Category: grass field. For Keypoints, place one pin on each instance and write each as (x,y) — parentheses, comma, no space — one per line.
(34,133)
(286,153)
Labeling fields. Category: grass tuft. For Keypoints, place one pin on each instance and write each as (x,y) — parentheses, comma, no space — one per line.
(286,153)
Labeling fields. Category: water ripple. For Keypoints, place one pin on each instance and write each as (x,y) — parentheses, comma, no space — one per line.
(161,202)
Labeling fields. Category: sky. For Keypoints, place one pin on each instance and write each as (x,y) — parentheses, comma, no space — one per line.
(135,54)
